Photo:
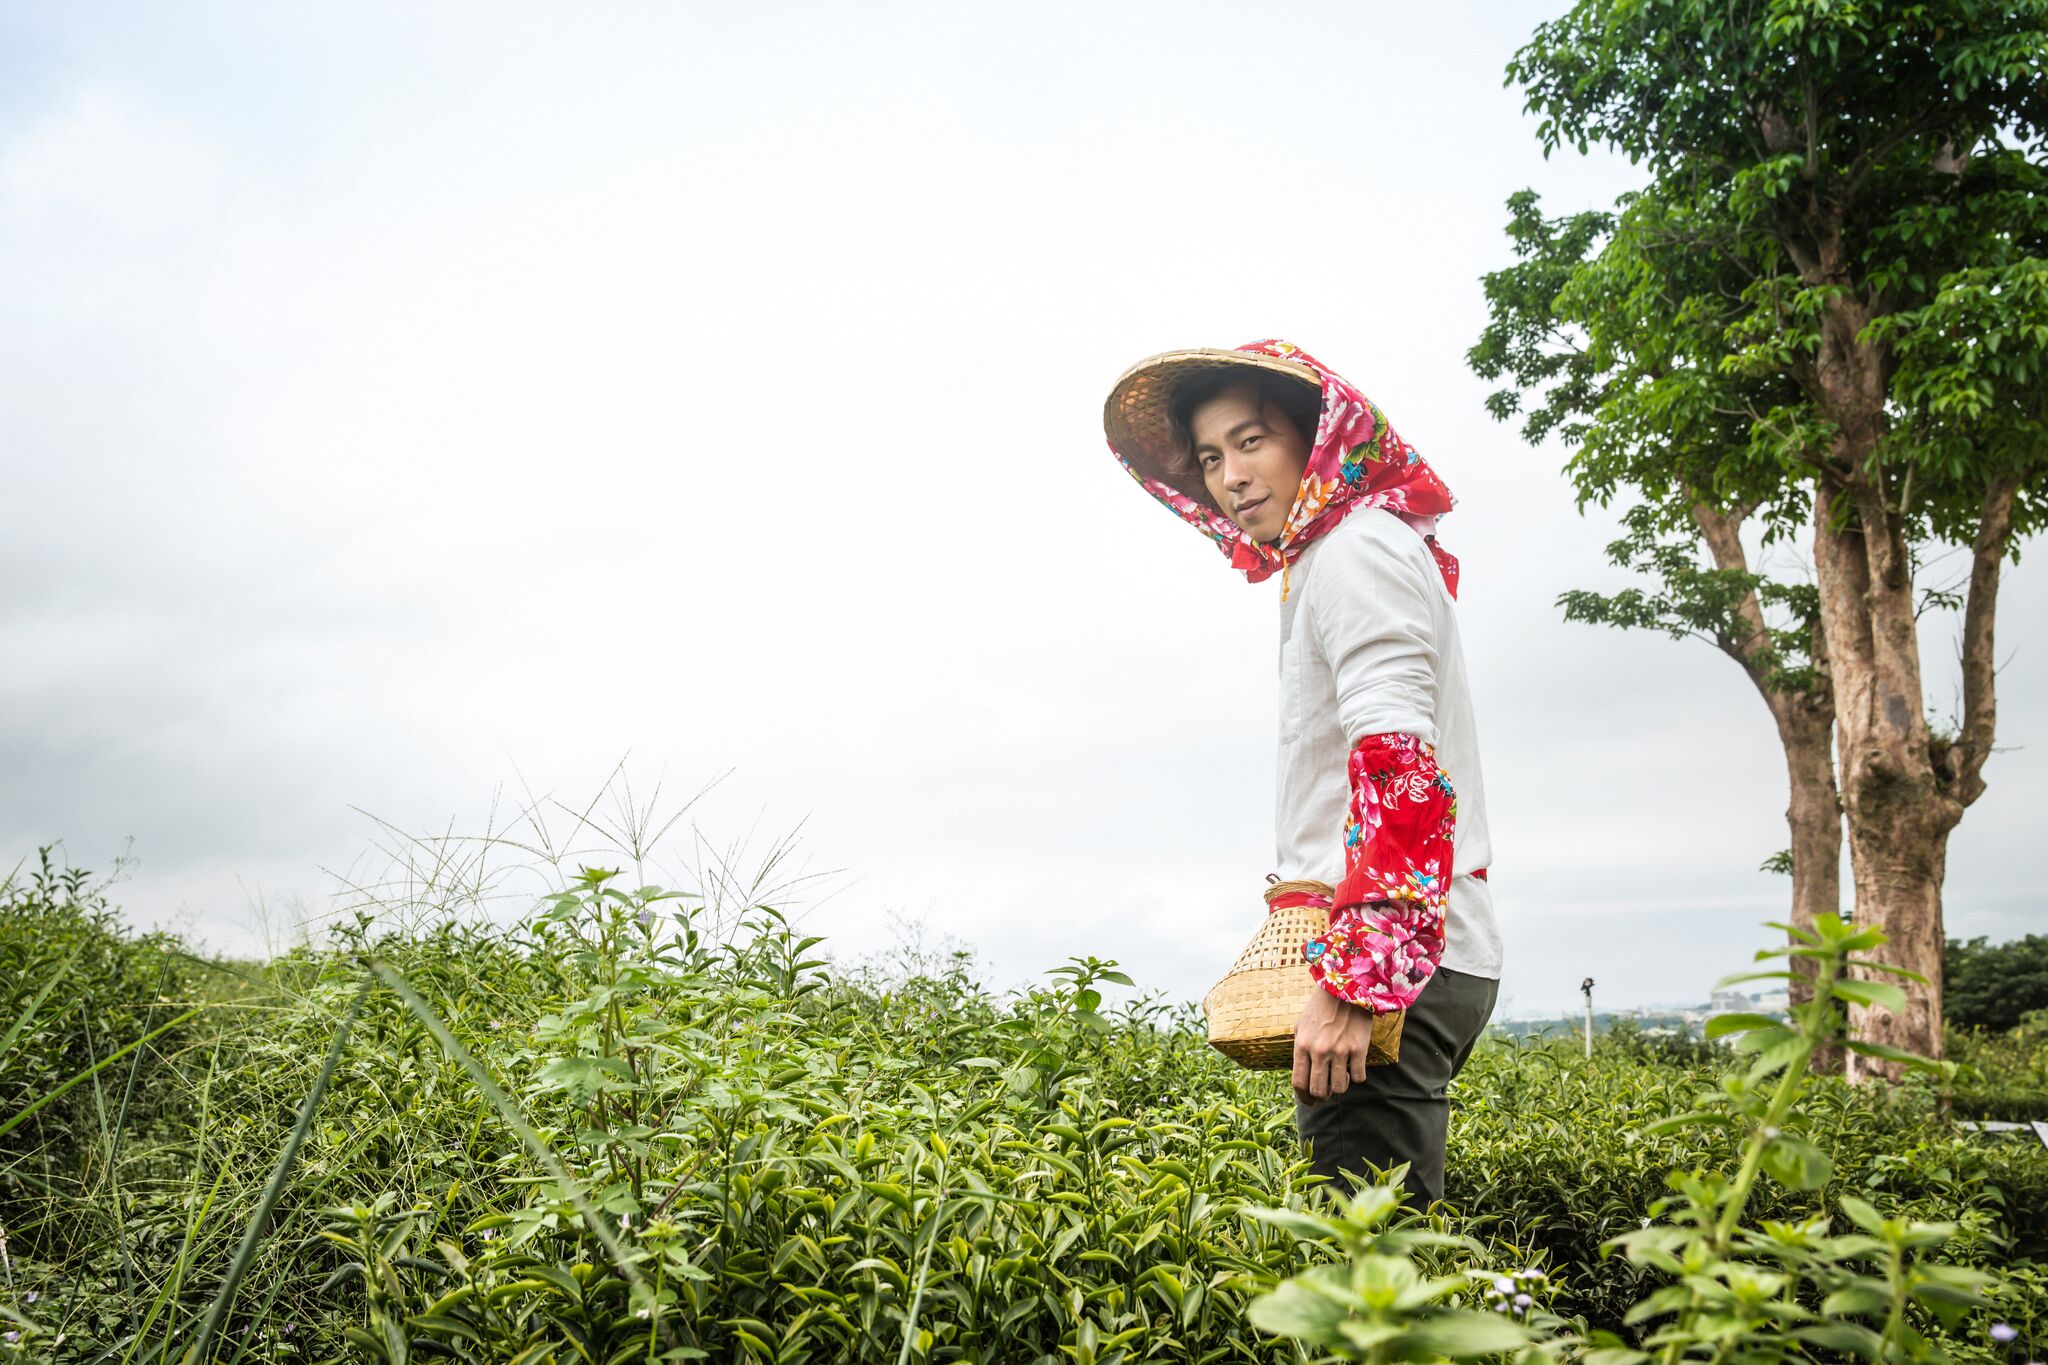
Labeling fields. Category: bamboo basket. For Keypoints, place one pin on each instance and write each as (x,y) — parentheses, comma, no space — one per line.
(1252,1011)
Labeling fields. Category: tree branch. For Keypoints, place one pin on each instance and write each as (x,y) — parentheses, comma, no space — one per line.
(1980,698)
(1722,532)
(1811,171)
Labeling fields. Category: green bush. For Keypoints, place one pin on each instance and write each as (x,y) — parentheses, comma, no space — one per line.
(605,1134)
(2006,1073)
(89,1013)
(1992,987)
(1721,1281)
(73,987)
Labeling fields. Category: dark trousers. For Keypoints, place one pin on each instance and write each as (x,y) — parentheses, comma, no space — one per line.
(1400,1112)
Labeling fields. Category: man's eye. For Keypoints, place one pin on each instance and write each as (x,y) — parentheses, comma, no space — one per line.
(1250,441)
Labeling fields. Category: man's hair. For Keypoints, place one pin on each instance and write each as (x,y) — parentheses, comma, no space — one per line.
(1302,403)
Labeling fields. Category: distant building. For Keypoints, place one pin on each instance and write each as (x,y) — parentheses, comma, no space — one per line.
(1730,1002)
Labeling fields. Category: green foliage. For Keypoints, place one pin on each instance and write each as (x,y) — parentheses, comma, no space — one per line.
(713,1147)
(74,988)
(2006,1072)
(1586,326)
(1846,1280)
(1994,986)
(603,1135)
(1612,326)
(1693,601)
(1379,1304)
(1814,170)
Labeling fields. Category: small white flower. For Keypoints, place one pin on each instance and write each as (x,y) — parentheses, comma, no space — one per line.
(1504,1285)
(1523,1300)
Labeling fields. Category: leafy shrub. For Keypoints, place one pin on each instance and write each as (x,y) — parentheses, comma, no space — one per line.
(1992,987)
(73,988)
(499,1144)
(2003,1106)
(1719,1283)
(2007,1073)
(90,1017)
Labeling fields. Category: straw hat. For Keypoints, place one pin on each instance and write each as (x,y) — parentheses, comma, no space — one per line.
(1135,417)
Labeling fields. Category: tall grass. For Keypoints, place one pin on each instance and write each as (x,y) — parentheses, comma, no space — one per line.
(640,1124)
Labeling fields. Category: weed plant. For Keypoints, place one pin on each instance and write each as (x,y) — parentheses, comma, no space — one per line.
(609,1133)
(2007,1071)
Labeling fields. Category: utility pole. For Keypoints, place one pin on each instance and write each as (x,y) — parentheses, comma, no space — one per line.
(1586,987)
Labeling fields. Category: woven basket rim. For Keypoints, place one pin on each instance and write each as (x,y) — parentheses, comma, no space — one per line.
(1280,888)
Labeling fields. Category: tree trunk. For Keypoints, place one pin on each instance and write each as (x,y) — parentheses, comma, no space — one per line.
(1806,726)
(1906,821)
(1806,722)
(1902,789)
(1897,814)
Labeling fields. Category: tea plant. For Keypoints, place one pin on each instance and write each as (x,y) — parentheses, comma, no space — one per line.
(736,1159)
(1867,1285)
(1380,1304)
(607,1134)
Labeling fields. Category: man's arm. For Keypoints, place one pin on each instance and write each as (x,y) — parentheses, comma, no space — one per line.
(1372,608)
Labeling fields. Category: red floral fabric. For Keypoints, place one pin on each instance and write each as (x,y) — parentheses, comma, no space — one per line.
(1386,933)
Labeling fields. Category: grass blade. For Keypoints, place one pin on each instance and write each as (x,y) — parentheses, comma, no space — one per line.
(252,1237)
(174,1282)
(7,1043)
(163,978)
(515,1118)
(95,1069)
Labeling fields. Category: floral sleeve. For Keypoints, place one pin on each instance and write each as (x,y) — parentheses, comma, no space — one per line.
(1386,932)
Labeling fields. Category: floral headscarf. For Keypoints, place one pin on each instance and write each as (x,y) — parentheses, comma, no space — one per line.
(1357,461)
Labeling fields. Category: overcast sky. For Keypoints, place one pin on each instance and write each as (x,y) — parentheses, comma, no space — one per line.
(403,404)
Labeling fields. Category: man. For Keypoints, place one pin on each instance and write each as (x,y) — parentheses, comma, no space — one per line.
(1290,470)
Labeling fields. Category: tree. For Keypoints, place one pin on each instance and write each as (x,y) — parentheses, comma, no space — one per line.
(1873,175)
(1994,987)
(1571,323)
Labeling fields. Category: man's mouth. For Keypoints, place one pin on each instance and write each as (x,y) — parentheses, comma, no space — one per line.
(1249,507)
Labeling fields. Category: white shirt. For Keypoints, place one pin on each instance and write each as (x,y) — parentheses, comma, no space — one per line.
(1369,645)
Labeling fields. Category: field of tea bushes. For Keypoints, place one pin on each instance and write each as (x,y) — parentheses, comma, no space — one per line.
(606,1134)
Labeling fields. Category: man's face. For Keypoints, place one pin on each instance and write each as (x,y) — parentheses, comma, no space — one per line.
(1251,459)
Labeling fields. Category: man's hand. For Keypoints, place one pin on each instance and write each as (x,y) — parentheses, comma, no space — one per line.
(1331,1040)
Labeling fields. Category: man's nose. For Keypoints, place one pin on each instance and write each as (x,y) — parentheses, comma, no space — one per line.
(1235,475)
